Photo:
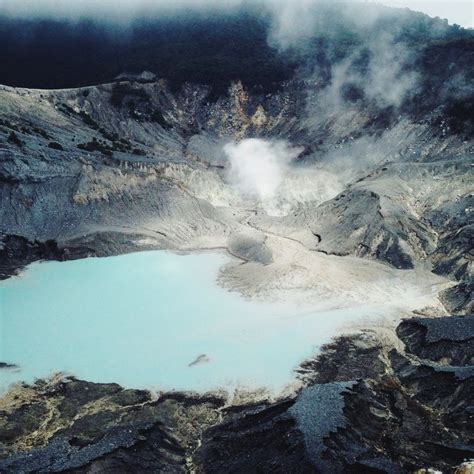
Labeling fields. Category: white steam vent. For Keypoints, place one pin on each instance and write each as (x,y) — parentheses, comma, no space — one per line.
(261,170)
(257,167)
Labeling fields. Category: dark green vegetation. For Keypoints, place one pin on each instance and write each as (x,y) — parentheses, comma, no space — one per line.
(157,116)
(206,49)
(108,148)
(55,146)
(9,127)
(136,100)
(58,54)
(215,49)
(96,145)
(87,119)
(447,78)
(13,138)
(120,91)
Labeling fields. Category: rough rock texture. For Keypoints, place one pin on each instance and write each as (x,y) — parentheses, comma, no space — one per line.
(65,424)
(149,172)
(122,167)
(432,338)
(367,405)
(16,251)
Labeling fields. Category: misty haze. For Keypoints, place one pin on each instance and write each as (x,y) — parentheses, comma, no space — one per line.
(236,236)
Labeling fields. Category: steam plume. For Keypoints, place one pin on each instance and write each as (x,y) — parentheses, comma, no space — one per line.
(257,167)
(265,171)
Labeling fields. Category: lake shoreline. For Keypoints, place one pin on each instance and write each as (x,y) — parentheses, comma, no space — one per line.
(349,374)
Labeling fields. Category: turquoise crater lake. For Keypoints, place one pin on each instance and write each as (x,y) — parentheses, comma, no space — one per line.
(141,319)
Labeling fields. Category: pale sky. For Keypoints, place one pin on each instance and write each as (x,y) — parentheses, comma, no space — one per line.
(455,11)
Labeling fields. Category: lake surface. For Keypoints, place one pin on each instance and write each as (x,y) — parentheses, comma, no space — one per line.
(141,319)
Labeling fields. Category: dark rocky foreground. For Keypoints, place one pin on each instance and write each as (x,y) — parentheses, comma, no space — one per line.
(370,402)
